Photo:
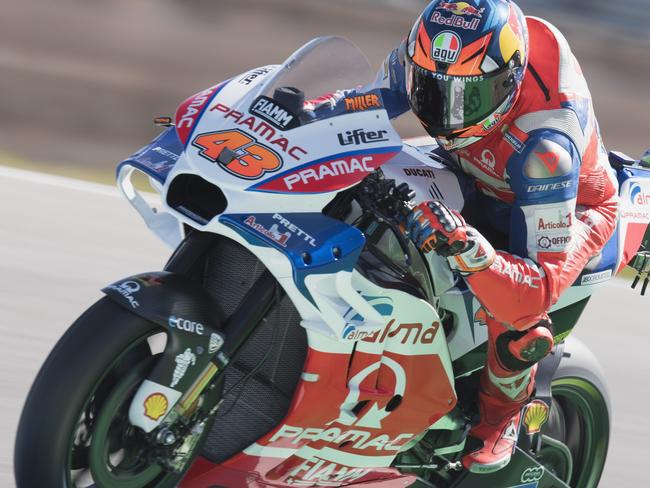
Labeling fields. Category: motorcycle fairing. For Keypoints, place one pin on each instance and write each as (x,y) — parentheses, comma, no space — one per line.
(634,211)
(313,242)
(355,407)
(158,157)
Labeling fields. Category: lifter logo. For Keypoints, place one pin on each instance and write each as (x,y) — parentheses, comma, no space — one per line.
(360,136)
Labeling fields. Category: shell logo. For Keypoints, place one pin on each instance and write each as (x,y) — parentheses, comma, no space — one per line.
(155,406)
(536,416)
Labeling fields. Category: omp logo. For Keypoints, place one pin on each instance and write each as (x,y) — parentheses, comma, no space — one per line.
(530,475)
(638,197)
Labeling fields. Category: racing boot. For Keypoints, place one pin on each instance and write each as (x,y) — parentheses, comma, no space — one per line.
(492,441)
(506,387)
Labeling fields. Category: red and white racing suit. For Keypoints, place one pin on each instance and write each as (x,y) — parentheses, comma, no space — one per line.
(546,173)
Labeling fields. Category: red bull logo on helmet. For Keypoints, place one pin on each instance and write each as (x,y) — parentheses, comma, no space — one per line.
(461,8)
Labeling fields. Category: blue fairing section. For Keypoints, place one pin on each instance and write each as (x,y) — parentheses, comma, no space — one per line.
(628,172)
(159,157)
(524,186)
(316,244)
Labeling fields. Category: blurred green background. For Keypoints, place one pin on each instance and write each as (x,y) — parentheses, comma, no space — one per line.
(81,80)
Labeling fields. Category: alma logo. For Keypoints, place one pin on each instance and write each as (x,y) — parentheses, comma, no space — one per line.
(638,197)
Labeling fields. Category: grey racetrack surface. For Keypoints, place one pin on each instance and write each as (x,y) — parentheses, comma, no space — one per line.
(60,242)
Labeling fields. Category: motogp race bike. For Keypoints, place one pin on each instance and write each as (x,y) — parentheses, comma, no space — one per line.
(296,337)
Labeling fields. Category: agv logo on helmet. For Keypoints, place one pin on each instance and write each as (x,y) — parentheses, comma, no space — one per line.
(446,47)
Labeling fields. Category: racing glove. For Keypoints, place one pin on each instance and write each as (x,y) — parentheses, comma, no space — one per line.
(432,226)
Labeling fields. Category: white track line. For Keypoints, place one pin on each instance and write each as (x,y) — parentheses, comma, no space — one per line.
(58,181)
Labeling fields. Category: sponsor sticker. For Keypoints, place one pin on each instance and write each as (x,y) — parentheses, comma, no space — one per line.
(535,417)
(491,121)
(594,278)
(361,136)
(514,141)
(188,112)
(262,128)
(461,8)
(359,439)
(185,325)
(550,243)
(455,21)
(446,47)
(549,186)
(183,362)
(532,475)
(216,341)
(274,113)
(553,228)
(294,229)
(423,172)
(155,406)
(253,75)
(272,233)
(515,273)
(550,159)
(127,289)
(320,472)
(362,102)
(638,196)
(327,174)
(238,154)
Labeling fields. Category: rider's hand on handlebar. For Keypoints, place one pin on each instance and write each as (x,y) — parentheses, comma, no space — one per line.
(432,226)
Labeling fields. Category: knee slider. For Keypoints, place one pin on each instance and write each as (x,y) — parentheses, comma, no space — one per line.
(520,350)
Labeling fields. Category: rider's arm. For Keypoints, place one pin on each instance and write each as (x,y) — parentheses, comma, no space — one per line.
(549,245)
(390,83)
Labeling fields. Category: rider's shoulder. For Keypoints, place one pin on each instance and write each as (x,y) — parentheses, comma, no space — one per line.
(548,154)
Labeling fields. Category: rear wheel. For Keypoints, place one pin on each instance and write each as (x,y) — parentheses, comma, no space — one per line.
(576,436)
(74,429)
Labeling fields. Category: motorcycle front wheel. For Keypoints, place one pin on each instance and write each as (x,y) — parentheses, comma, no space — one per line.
(74,430)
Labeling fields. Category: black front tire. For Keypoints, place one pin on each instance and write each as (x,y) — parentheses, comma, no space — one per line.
(105,343)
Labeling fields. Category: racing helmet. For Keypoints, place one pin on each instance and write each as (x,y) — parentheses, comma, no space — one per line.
(465,63)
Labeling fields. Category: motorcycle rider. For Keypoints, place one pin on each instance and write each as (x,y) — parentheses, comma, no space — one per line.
(506,100)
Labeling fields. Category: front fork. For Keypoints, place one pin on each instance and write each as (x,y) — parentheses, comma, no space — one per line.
(198,347)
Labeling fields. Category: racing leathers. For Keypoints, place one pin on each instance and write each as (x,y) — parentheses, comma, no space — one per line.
(543,180)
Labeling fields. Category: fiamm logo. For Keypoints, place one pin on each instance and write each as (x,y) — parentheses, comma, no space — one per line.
(638,197)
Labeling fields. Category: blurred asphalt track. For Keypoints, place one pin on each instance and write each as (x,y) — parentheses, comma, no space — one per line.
(63,240)
(81,80)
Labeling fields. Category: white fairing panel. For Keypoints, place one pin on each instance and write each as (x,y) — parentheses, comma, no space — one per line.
(429,179)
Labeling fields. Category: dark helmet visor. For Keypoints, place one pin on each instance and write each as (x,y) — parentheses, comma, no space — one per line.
(446,103)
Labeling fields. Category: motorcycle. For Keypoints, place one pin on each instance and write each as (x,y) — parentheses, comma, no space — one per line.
(296,337)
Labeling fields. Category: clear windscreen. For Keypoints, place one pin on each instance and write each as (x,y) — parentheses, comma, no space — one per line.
(322,70)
